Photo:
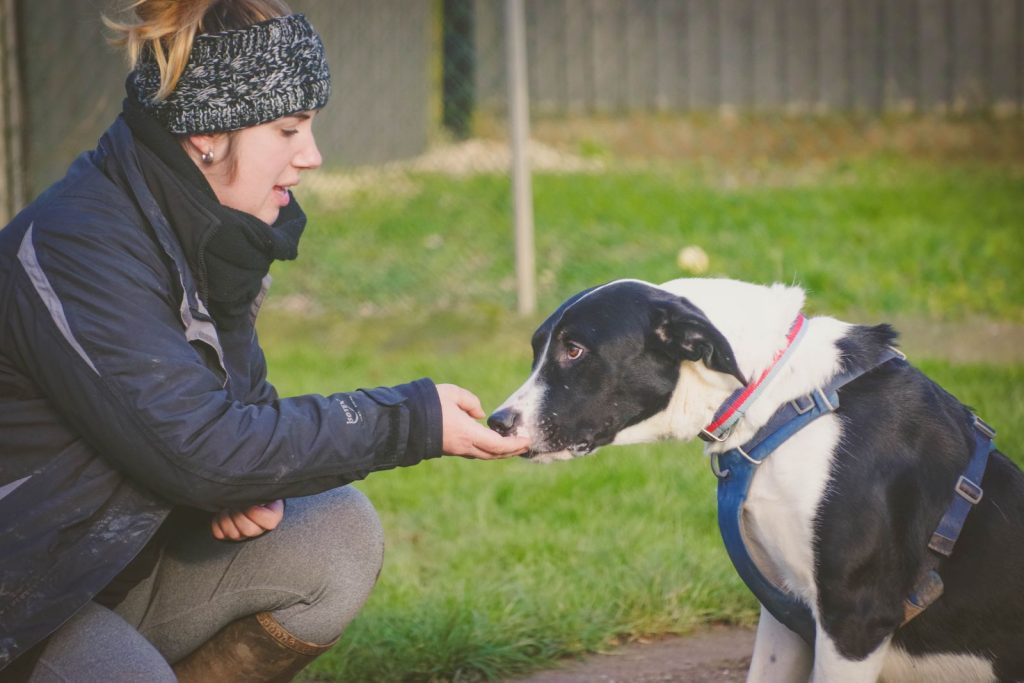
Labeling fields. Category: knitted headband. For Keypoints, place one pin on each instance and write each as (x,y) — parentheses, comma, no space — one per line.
(239,78)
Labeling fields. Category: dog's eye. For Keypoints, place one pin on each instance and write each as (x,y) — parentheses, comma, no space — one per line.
(574,351)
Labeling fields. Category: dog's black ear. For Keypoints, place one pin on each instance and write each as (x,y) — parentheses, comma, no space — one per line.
(684,332)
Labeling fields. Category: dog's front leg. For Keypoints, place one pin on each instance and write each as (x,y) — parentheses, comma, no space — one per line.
(832,667)
(780,656)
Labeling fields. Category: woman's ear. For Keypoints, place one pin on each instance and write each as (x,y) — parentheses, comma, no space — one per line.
(205,148)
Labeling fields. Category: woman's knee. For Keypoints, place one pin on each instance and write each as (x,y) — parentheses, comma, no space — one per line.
(339,537)
(345,560)
(350,534)
(351,508)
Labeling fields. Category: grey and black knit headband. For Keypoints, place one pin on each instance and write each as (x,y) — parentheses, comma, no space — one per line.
(239,78)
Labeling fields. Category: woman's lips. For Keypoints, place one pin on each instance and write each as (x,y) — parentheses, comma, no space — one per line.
(283,196)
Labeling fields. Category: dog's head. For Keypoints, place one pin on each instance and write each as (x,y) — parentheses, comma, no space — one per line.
(607,359)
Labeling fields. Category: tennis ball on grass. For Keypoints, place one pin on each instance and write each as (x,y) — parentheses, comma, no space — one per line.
(693,260)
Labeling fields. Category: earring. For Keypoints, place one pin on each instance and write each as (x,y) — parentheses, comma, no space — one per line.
(207,156)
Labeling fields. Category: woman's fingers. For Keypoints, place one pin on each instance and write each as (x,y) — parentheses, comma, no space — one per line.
(250,522)
(462,435)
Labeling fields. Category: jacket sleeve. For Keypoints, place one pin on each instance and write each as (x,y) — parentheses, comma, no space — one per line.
(97,325)
(261,390)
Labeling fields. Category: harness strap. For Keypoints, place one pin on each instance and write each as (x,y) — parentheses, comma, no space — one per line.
(968,491)
(735,470)
(966,494)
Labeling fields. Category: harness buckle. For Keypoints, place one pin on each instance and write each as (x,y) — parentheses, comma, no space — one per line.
(705,435)
(984,427)
(802,410)
(747,457)
(968,490)
(824,398)
(718,471)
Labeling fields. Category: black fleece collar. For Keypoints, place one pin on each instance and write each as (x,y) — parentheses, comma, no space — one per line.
(229,251)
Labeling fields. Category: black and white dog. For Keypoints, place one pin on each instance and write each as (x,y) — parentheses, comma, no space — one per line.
(842,513)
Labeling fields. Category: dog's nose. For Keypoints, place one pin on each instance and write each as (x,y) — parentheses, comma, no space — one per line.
(504,421)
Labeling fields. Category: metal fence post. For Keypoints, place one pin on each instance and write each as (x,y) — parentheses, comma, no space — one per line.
(519,125)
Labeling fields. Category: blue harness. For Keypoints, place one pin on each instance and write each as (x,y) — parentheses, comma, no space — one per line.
(735,470)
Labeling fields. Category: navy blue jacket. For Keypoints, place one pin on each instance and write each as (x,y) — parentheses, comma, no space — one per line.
(120,398)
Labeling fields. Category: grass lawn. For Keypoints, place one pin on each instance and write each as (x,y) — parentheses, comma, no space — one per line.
(494,569)
(879,236)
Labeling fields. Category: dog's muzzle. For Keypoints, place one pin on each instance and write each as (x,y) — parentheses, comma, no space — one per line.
(505,421)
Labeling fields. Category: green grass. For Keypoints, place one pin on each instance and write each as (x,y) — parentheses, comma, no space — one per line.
(496,569)
(885,236)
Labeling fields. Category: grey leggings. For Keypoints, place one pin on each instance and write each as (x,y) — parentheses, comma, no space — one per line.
(313,572)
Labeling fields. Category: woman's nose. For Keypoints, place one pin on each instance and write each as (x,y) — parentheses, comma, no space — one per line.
(309,158)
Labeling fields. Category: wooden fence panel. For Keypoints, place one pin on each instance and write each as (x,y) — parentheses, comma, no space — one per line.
(833,55)
(608,55)
(934,63)
(789,55)
(670,65)
(900,50)
(489,44)
(382,67)
(800,31)
(1004,49)
(641,55)
(736,25)
(579,77)
(545,35)
(866,50)
(970,34)
(585,56)
(768,55)
(702,55)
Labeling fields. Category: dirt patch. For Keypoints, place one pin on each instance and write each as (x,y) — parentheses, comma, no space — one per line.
(717,655)
(736,140)
(334,189)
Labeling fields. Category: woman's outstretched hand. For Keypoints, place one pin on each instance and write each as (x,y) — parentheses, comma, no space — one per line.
(463,436)
(250,522)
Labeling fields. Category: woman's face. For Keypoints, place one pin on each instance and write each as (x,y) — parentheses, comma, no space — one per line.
(254,169)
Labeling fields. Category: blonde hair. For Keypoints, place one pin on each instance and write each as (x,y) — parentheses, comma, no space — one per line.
(168,27)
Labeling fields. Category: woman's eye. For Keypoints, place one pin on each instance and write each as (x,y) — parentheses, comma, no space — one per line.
(288,132)
(574,351)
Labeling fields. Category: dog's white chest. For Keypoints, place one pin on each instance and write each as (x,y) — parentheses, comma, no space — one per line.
(778,515)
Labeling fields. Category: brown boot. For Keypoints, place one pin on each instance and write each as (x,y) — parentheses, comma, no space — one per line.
(254,648)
